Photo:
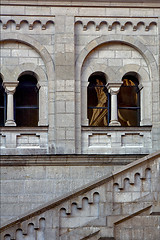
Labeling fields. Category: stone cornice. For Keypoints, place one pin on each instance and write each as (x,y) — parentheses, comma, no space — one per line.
(68,160)
(89,3)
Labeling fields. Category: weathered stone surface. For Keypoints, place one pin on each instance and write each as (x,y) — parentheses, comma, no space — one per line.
(67,42)
(84,213)
(62,43)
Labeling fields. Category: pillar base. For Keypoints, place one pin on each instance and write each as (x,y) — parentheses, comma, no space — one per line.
(114,123)
(10,123)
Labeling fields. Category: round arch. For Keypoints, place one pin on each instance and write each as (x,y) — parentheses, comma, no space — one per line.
(98,68)
(135,43)
(42,84)
(31,67)
(145,87)
(128,40)
(49,64)
(30,42)
(5,74)
(132,68)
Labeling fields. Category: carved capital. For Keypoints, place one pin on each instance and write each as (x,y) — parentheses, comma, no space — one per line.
(113,88)
(10,87)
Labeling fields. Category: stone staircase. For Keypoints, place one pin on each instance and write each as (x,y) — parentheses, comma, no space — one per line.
(124,205)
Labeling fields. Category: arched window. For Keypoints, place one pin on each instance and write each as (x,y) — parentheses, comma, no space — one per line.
(98,100)
(26,101)
(2,104)
(129,102)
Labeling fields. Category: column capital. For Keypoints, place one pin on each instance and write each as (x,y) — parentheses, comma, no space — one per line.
(10,87)
(113,88)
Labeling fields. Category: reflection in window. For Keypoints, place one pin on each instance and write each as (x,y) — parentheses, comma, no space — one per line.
(98,100)
(26,102)
(129,102)
(2,104)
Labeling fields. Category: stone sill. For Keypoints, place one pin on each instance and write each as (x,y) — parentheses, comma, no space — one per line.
(120,129)
(69,159)
(23,129)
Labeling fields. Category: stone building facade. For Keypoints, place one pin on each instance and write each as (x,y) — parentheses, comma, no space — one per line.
(79,97)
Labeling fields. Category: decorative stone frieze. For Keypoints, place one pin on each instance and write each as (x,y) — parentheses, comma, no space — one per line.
(123,24)
(30,21)
(24,140)
(116,140)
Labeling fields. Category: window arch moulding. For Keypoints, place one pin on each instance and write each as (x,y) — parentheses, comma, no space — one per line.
(98,100)
(49,64)
(128,40)
(145,88)
(146,54)
(42,85)
(26,104)
(129,107)
(86,74)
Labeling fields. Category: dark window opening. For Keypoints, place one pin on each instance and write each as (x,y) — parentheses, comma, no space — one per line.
(98,100)
(26,102)
(129,102)
(2,104)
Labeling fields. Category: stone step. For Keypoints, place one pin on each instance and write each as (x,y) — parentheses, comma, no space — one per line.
(107,238)
(51,210)
(155,210)
(80,233)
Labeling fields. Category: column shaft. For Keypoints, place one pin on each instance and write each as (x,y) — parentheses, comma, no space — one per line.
(113,89)
(114,114)
(10,88)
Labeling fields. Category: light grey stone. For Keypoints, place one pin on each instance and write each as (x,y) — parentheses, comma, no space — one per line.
(62,44)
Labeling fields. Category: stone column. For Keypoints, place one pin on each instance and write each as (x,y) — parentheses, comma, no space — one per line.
(10,88)
(113,89)
(43,107)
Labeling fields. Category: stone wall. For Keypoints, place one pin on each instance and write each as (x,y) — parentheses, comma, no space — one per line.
(30,181)
(121,205)
(26,188)
(63,47)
